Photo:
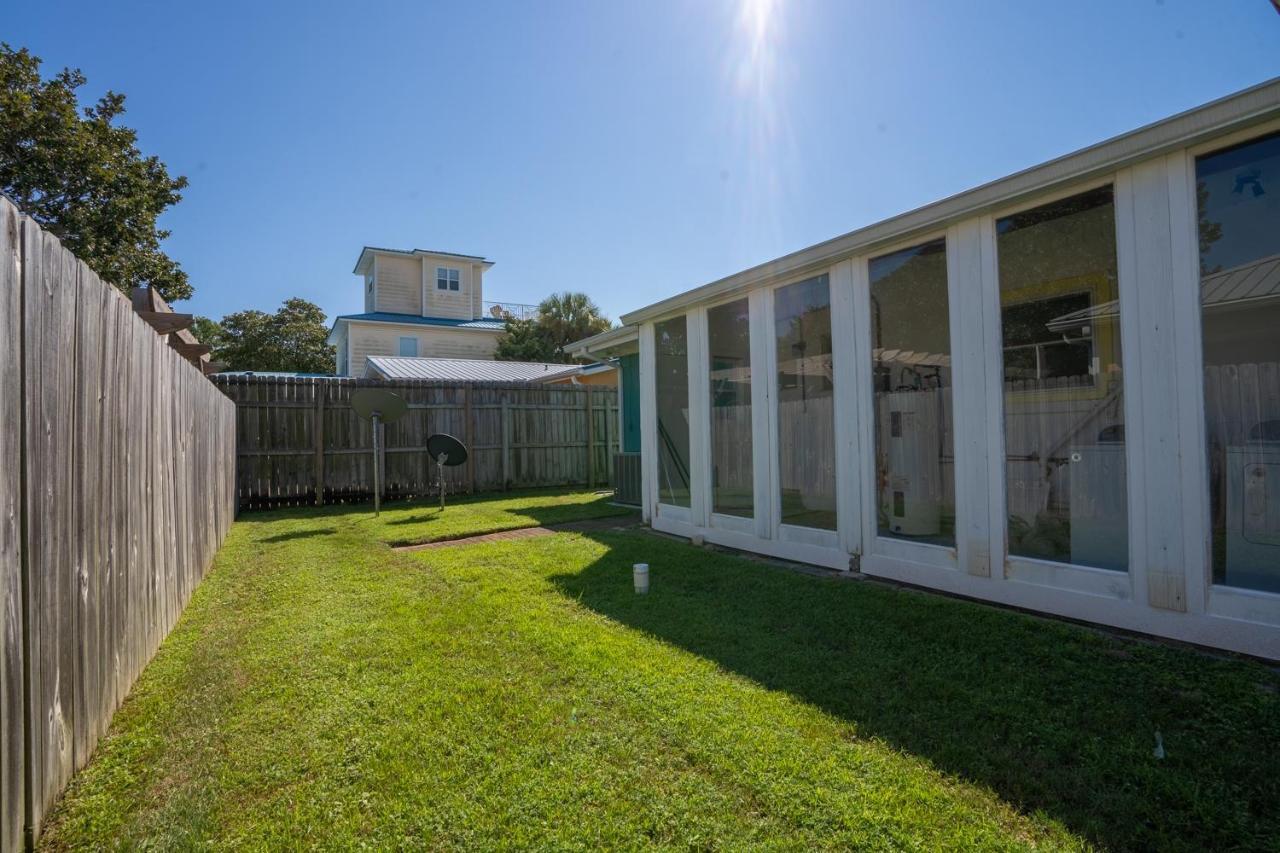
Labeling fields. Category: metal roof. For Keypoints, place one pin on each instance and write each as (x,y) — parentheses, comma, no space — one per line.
(1246,283)
(484,325)
(467,370)
(418,320)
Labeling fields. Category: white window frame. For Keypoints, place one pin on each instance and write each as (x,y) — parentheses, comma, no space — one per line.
(451,278)
(401,342)
(668,517)
(758,523)
(1229,602)
(885,547)
(1091,580)
(812,537)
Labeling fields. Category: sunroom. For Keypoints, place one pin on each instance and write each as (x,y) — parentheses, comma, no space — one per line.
(1058,391)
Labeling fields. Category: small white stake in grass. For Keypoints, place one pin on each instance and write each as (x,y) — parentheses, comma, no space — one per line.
(1158,752)
(640,575)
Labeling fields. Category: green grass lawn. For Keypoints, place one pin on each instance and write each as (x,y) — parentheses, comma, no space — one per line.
(324,691)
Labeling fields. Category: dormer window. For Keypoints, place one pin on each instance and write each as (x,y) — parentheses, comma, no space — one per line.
(447,278)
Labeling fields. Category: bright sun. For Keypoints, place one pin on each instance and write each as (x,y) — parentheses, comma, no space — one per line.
(755,18)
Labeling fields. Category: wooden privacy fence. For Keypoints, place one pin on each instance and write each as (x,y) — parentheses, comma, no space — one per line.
(300,442)
(116,489)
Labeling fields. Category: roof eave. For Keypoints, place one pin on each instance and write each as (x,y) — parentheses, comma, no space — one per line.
(367,252)
(607,342)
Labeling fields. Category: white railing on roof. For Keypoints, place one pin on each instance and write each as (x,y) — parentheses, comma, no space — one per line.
(514,310)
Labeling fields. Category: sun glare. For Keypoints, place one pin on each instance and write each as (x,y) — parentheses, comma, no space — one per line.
(759,122)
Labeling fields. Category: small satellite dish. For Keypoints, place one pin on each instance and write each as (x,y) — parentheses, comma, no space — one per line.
(375,402)
(380,407)
(453,451)
(446,451)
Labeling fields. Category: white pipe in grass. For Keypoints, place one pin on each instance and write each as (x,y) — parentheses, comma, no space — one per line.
(640,575)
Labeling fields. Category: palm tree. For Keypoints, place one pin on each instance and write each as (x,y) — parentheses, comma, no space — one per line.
(568,317)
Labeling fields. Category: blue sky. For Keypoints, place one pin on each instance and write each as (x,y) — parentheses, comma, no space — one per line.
(629,149)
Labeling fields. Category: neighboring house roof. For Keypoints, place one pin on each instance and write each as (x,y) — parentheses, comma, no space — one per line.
(484,325)
(1245,283)
(416,320)
(413,253)
(468,370)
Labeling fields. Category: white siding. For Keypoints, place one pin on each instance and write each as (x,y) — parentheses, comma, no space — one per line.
(398,288)
(433,342)
(463,303)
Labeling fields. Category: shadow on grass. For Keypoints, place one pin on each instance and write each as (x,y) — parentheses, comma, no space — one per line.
(1053,717)
(418,519)
(300,534)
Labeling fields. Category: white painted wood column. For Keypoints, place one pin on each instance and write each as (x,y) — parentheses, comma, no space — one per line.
(977,404)
(1160,429)
(850,369)
(764,435)
(699,419)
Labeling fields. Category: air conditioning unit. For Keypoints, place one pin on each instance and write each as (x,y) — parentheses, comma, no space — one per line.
(1253,511)
(911,494)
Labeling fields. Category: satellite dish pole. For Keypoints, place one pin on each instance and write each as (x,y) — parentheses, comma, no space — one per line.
(378,407)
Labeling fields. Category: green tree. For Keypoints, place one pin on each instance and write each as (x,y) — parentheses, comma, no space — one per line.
(569,317)
(563,318)
(293,339)
(82,177)
(524,340)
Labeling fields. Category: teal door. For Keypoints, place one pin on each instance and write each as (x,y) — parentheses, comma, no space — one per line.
(629,365)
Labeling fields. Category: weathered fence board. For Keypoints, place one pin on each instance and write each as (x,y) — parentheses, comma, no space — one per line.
(116,488)
(299,442)
(12,711)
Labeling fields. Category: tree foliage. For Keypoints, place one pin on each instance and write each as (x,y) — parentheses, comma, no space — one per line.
(563,318)
(291,340)
(82,177)
(524,340)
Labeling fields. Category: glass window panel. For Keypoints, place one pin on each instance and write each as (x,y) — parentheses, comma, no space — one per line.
(911,377)
(409,347)
(1063,383)
(729,354)
(806,404)
(671,368)
(1238,194)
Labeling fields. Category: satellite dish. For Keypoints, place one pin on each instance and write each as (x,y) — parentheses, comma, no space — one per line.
(380,407)
(446,451)
(375,402)
(453,451)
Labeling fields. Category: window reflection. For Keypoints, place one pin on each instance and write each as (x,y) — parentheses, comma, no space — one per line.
(671,366)
(729,351)
(1238,202)
(806,400)
(1064,390)
(911,375)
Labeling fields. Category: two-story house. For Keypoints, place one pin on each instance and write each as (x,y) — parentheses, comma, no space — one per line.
(418,303)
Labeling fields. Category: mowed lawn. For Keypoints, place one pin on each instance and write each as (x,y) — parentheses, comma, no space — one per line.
(323,691)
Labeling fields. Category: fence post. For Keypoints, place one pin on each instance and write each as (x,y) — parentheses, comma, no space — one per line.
(318,432)
(506,444)
(469,416)
(591,444)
